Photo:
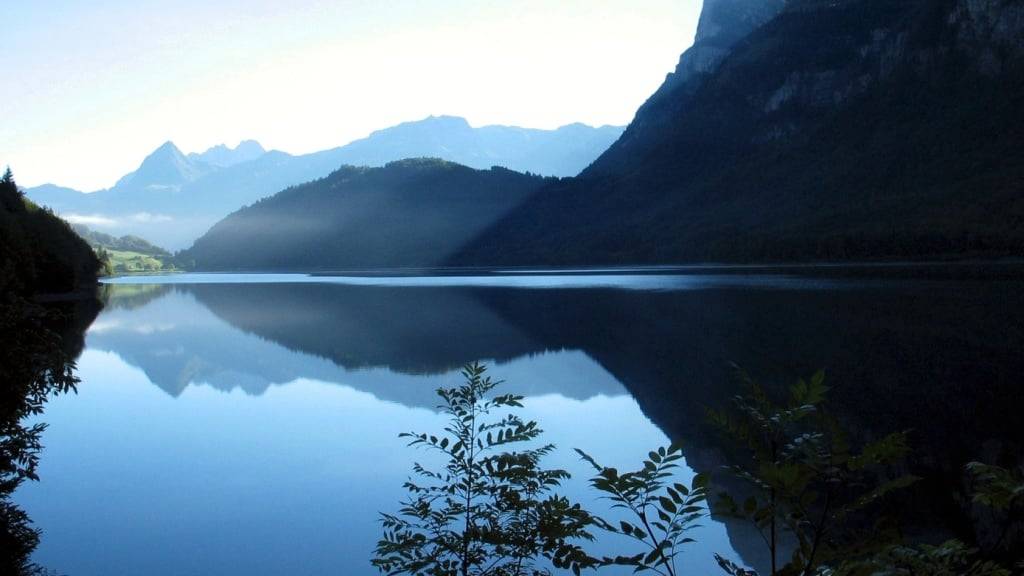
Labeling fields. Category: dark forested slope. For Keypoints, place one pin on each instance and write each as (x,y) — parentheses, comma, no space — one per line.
(409,213)
(38,251)
(833,130)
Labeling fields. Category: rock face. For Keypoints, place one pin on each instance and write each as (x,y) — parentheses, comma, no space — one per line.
(837,129)
(722,24)
(979,36)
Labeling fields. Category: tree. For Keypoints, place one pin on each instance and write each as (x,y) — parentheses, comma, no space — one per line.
(1001,492)
(663,513)
(996,489)
(10,196)
(805,480)
(488,512)
(492,512)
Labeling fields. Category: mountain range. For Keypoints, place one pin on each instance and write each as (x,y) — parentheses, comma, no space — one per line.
(792,130)
(799,130)
(172,198)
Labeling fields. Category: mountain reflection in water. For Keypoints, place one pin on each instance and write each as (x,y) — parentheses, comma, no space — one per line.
(318,461)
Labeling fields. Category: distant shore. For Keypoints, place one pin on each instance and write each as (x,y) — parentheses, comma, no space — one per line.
(1006,269)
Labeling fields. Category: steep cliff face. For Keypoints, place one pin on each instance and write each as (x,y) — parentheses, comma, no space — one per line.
(722,24)
(838,129)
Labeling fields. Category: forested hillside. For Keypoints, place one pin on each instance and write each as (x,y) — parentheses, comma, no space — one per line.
(409,213)
(39,252)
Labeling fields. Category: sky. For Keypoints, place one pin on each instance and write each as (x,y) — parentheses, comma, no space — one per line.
(92,87)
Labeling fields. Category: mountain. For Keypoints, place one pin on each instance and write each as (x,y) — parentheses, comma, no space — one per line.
(174,198)
(165,168)
(221,155)
(410,213)
(804,130)
(722,24)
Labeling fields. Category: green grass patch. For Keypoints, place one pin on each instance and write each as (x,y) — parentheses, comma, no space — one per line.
(127,261)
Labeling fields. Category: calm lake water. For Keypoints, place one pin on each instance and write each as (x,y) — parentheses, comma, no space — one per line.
(247,424)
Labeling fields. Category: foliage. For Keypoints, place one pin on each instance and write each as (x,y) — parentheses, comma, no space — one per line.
(34,366)
(127,243)
(127,261)
(38,253)
(489,511)
(806,483)
(17,540)
(951,558)
(126,253)
(1001,492)
(662,513)
(10,195)
(996,487)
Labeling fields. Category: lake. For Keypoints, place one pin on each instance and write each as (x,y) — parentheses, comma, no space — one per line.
(247,424)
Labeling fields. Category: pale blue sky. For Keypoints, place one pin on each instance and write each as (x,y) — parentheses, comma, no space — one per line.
(92,87)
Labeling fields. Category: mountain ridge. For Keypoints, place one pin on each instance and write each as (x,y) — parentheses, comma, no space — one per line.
(197,194)
(165,167)
(223,156)
(834,131)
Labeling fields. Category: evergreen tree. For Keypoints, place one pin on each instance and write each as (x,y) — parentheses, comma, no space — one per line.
(10,196)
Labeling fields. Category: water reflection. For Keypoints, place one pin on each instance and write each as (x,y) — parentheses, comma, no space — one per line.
(249,456)
(177,341)
(927,355)
(277,402)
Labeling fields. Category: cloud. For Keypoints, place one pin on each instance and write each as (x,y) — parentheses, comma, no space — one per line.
(103,326)
(90,219)
(146,328)
(146,217)
(105,221)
